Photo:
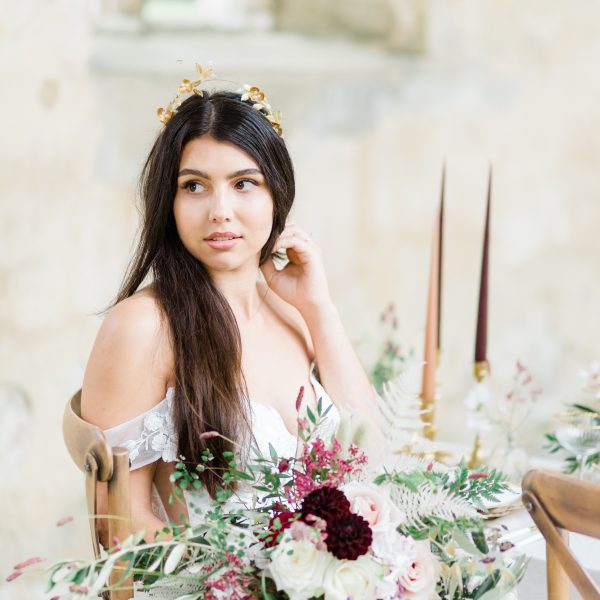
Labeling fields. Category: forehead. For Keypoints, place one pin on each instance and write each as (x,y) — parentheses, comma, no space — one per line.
(208,154)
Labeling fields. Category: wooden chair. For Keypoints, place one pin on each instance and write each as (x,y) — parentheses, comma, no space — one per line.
(559,504)
(90,451)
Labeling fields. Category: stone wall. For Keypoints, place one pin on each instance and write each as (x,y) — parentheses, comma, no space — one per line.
(514,84)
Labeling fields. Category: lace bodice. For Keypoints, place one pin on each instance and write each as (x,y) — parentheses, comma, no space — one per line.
(151,436)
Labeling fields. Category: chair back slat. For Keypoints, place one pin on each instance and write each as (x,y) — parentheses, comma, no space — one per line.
(91,481)
(571,504)
(83,438)
(119,503)
(91,452)
(559,504)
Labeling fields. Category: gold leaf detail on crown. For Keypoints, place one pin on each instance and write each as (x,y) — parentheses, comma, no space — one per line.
(248,92)
(186,87)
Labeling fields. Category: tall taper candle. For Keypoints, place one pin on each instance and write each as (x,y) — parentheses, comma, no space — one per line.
(481,365)
(482,313)
(428,388)
(440,264)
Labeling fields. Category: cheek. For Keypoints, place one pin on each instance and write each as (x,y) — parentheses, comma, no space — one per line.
(186,219)
(260,218)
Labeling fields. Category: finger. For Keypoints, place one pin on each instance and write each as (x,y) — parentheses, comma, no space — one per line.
(298,247)
(294,235)
(293,228)
(291,240)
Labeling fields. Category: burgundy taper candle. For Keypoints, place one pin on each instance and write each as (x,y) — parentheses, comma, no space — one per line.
(482,313)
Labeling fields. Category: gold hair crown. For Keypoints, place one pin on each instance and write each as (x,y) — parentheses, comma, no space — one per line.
(247,92)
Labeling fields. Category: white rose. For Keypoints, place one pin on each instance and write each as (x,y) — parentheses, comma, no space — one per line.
(373,503)
(393,548)
(299,573)
(422,574)
(354,579)
(398,555)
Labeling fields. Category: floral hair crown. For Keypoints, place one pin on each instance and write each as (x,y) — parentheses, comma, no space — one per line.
(247,92)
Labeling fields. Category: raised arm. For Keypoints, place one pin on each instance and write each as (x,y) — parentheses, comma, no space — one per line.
(303,284)
(128,372)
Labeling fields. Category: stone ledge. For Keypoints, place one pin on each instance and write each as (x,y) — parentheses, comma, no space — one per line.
(274,53)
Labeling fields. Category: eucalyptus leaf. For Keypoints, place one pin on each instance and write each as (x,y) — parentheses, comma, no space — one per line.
(461,538)
(273,453)
(174,558)
(488,584)
(158,561)
(61,574)
(103,575)
(495,594)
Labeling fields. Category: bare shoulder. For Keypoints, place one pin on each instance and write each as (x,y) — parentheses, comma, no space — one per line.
(131,362)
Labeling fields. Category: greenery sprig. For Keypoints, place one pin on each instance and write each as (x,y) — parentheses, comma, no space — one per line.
(572,463)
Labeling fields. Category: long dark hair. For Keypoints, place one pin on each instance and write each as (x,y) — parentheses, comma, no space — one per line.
(210,392)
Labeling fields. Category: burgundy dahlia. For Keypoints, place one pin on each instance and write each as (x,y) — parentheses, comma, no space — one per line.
(348,536)
(285,519)
(326,502)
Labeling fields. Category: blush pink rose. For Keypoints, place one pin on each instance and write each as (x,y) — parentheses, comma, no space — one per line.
(421,576)
(373,503)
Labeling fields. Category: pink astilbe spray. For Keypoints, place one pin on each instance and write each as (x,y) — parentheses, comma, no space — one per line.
(231,582)
(26,563)
(320,465)
(299,398)
(521,391)
(64,520)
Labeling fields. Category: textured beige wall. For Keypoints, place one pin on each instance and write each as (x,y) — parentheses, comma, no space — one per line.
(512,83)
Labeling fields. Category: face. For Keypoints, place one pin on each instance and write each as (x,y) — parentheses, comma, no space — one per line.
(223,208)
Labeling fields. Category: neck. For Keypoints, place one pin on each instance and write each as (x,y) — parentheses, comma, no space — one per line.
(241,290)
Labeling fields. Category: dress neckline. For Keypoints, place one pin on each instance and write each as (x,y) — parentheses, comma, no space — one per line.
(317,387)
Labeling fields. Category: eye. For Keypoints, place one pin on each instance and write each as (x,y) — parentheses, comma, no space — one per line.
(239,184)
(193,186)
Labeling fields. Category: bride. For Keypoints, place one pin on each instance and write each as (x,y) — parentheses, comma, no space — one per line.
(206,332)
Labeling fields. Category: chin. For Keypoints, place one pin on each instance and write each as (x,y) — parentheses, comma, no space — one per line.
(228,262)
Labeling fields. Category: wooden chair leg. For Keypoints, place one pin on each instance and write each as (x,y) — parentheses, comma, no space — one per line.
(558,581)
(119,504)
(91,479)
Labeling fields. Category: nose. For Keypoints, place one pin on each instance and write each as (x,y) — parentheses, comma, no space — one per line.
(221,209)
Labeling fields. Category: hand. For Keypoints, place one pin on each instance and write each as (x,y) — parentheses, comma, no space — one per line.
(302,282)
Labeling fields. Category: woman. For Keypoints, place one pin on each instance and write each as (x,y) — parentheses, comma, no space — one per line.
(206,339)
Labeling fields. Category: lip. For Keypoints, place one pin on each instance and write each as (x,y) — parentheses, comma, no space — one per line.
(222,244)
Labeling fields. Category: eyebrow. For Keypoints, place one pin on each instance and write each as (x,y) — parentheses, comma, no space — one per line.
(207,176)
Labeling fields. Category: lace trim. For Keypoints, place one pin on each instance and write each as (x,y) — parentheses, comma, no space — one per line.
(151,436)
(148,437)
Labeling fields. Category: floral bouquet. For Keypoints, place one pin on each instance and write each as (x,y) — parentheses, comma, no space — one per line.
(317,525)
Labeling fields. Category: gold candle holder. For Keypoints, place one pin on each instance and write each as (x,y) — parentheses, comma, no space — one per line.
(475,458)
(481,370)
(428,417)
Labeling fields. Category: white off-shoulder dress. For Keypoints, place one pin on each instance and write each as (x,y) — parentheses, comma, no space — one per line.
(151,437)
